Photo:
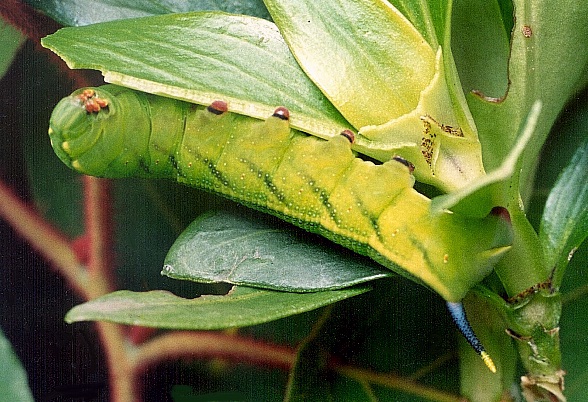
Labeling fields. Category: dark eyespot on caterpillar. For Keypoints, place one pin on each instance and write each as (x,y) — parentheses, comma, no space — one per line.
(349,135)
(406,163)
(282,113)
(318,185)
(218,107)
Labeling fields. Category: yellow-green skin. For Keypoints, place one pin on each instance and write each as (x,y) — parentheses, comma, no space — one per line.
(315,184)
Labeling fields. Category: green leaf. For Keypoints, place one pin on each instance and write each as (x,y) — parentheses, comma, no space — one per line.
(246,248)
(427,17)
(81,12)
(240,307)
(10,41)
(241,60)
(564,225)
(542,66)
(573,325)
(480,45)
(14,384)
(383,61)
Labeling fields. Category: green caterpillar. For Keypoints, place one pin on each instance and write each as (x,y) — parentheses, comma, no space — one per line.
(315,184)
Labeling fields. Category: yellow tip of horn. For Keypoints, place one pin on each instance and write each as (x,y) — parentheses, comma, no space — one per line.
(488,361)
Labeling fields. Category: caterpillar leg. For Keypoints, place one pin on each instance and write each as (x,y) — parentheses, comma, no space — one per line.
(461,321)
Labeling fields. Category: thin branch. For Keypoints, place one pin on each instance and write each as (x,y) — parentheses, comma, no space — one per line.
(434,365)
(174,345)
(98,225)
(99,230)
(44,238)
(396,382)
(122,379)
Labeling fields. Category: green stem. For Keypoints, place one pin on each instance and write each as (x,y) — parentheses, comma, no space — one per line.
(524,266)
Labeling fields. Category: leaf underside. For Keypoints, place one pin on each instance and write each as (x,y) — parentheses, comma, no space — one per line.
(241,307)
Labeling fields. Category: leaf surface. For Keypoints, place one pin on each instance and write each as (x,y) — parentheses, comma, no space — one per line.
(401,93)
(14,383)
(10,41)
(250,249)
(364,55)
(564,225)
(241,307)
(548,60)
(202,57)
(82,12)
(480,45)
(427,17)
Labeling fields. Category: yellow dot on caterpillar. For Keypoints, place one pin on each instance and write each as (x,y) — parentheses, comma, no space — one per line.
(488,361)
(50,131)
(65,146)
(445,258)
(76,164)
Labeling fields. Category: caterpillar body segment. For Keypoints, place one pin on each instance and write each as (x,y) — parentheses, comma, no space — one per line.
(319,185)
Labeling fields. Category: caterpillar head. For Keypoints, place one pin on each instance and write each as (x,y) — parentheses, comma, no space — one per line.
(72,128)
(92,133)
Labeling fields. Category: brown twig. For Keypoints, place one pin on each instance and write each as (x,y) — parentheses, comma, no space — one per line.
(215,345)
(174,345)
(44,238)
(98,228)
